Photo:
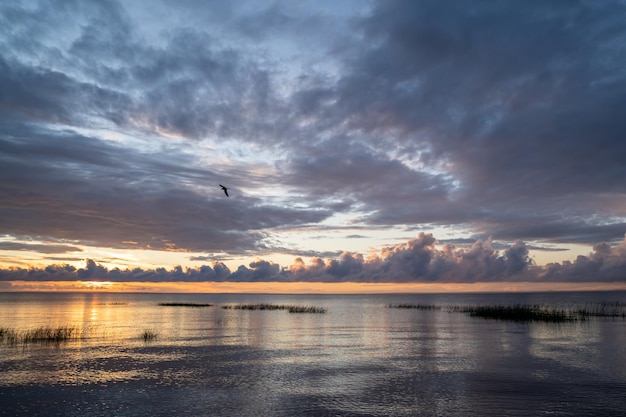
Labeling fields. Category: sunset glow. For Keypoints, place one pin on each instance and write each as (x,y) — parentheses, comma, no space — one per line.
(303,287)
(96,285)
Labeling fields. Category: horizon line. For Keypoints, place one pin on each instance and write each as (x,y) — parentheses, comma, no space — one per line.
(305,287)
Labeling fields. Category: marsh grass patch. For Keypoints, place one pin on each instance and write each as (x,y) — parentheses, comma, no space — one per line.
(195,305)
(287,307)
(9,335)
(604,309)
(43,334)
(529,312)
(415,306)
(545,314)
(519,313)
(149,335)
(306,309)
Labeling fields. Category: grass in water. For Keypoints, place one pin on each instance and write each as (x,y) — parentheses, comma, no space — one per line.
(255,307)
(149,335)
(307,309)
(185,305)
(603,310)
(519,313)
(528,313)
(44,334)
(415,306)
(8,335)
(545,314)
(49,334)
(289,308)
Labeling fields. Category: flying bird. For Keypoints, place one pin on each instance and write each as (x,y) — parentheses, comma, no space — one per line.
(225,190)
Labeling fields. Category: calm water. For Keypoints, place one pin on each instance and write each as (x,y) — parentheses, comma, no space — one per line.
(360,358)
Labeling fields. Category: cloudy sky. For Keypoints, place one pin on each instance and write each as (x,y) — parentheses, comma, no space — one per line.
(375,141)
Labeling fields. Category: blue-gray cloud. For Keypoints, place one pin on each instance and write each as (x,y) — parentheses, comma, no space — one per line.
(76,187)
(48,248)
(502,119)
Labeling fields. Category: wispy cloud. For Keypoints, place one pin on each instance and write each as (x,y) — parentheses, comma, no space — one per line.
(41,248)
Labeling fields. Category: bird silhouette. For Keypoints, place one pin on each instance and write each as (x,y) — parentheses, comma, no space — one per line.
(225,190)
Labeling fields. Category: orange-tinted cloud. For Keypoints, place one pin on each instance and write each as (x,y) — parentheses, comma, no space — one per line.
(417,261)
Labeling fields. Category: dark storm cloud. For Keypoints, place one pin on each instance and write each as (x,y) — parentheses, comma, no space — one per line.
(82,190)
(519,100)
(574,229)
(53,96)
(193,90)
(185,83)
(417,260)
(349,168)
(504,117)
(387,189)
(41,248)
(42,79)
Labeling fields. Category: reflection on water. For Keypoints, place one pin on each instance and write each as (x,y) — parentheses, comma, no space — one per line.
(359,358)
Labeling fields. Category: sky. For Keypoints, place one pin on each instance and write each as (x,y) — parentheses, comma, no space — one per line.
(371,142)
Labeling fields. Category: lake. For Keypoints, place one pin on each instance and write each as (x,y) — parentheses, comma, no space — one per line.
(128,355)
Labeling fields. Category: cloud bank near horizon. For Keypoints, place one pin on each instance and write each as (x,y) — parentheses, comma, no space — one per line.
(416,261)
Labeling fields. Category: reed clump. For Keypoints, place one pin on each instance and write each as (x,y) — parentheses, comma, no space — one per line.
(43,334)
(603,310)
(519,313)
(415,306)
(289,308)
(8,335)
(185,305)
(149,335)
(254,307)
(307,309)
(50,334)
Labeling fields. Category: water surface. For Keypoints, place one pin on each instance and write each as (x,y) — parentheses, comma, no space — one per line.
(359,358)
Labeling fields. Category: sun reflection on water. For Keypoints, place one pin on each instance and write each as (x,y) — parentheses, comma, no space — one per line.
(359,358)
